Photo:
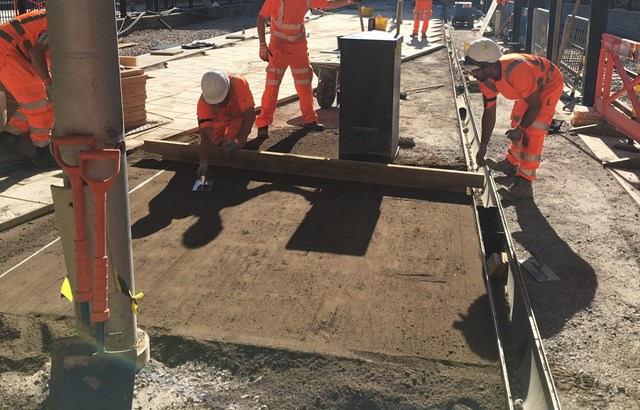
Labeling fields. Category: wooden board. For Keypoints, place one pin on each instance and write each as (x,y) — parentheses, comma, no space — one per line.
(167,52)
(128,61)
(130,72)
(355,171)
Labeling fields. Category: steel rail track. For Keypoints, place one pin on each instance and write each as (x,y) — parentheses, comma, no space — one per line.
(525,370)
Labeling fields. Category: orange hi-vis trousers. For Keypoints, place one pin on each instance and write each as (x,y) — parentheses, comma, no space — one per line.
(297,58)
(527,152)
(422,12)
(35,111)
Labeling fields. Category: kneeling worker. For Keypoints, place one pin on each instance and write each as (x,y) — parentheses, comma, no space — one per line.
(226,113)
(536,86)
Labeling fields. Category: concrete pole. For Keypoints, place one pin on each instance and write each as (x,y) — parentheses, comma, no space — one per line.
(598,19)
(88,100)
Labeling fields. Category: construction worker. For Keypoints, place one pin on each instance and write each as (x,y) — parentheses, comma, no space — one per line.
(421,12)
(288,48)
(536,86)
(24,72)
(226,113)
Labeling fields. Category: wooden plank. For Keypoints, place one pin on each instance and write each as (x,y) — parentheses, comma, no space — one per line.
(134,116)
(134,100)
(167,52)
(128,61)
(126,45)
(136,80)
(135,124)
(129,72)
(345,170)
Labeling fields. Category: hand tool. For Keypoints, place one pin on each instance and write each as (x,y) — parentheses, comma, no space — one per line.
(202,184)
(360,15)
(398,17)
(83,278)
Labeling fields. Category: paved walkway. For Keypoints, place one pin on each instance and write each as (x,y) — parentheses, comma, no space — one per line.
(173,89)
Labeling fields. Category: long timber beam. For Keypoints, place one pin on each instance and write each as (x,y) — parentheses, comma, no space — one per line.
(345,170)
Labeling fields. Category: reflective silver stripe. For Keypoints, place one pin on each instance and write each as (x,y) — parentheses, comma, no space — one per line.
(528,172)
(286,37)
(539,125)
(35,104)
(513,154)
(286,26)
(13,129)
(530,158)
(6,36)
(300,70)
(39,130)
(276,70)
(274,82)
(20,116)
(301,81)
(490,86)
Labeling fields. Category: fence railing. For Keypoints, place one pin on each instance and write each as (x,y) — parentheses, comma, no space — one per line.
(11,8)
(540,32)
(614,82)
(573,58)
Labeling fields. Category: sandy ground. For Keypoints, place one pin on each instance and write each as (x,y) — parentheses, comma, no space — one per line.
(580,221)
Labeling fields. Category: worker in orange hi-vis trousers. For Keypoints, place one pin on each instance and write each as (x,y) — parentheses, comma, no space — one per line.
(421,12)
(288,48)
(536,85)
(226,113)
(24,71)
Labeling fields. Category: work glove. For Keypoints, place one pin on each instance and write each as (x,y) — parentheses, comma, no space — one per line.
(203,168)
(482,152)
(514,134)
(229,148)
(265,52)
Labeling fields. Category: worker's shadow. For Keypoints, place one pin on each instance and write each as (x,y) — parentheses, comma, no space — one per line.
(176,201)
(554,302)
(475,326)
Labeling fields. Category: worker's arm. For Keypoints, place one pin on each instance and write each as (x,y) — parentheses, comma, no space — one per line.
(248,118)
(261,24)
(37,53)
(488,122)
(206,135)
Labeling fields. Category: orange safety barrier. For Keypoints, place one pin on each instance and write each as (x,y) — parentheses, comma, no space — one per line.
(612,49)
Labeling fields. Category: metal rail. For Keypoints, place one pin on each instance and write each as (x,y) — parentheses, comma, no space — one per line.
(525,370)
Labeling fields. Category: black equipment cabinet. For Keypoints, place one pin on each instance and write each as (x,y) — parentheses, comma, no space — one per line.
(369,96)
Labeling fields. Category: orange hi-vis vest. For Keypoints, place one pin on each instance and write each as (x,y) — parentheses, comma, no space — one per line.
(522,75)
(287,18)
(23,32)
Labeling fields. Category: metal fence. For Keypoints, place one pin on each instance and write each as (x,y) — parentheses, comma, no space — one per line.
(573,58)
(540,32)
(11,8)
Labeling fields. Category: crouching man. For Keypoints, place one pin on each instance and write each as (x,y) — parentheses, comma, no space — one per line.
(226,113)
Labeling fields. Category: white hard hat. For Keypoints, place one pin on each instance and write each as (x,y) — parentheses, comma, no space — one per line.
(215,86)
(480,54)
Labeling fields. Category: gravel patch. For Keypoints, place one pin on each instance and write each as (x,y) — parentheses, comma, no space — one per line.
(147,39)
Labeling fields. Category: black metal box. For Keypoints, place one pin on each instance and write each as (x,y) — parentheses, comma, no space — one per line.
(369,96)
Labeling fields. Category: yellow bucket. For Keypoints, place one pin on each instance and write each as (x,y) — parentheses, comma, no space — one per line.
(366,11)
(381,23)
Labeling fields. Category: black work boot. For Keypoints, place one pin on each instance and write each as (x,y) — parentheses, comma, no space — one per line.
(263,132)
(44,158)
(503,166)
(313,126)
(520,189)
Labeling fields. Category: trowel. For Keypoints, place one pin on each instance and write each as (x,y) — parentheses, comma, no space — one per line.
(202,184)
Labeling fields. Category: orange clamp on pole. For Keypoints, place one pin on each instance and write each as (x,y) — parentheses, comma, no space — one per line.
(100,312)
(83,277)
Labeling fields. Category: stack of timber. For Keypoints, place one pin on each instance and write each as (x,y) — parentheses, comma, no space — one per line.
(134,96)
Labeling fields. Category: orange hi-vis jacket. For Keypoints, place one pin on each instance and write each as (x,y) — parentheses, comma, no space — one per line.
(288,46)
(287,19)
(35,111)
(522,75)
(226,121)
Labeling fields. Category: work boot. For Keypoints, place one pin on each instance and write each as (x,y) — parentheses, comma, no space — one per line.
(10,143)
(44,158)
(503,166)
(424,36)
(414,34)
(520,189)
(314,126)
(263,132)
